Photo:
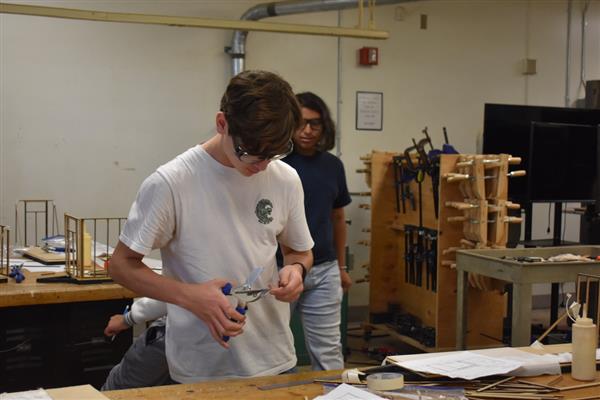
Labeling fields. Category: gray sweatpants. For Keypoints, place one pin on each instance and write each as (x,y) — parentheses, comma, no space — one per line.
(144,364)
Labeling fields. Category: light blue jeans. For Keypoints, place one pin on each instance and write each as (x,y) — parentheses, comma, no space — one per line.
(320,307)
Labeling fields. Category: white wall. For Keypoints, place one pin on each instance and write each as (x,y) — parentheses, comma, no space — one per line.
(89,109)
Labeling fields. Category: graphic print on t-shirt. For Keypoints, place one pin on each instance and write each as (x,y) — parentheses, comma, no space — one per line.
(263,211)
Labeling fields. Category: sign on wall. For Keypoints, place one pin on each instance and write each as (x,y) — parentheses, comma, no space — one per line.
(369,111)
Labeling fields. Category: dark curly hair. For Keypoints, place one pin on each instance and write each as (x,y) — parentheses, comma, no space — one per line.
(315,103)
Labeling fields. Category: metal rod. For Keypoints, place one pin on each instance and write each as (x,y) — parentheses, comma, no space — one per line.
(35,224)
(24,223)
(47,215)
(587,294)
(568,56)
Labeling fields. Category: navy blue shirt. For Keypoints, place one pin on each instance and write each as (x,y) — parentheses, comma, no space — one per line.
(324,183)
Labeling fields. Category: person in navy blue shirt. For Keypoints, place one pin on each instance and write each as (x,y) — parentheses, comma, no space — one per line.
(325,196)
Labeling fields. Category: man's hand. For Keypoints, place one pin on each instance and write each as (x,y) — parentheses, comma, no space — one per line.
(346,279)
(116,324)
(207,302)
(290,283)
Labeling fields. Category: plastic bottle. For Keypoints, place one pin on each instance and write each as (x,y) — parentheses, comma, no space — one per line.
(584,345)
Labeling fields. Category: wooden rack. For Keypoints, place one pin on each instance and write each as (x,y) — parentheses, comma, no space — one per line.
(436,309)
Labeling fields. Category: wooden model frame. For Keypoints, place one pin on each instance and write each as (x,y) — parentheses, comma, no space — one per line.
(76,265)
(34,208)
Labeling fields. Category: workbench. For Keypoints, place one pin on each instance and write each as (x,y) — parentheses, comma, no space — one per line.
(249,388)
(522,275)
(51,334)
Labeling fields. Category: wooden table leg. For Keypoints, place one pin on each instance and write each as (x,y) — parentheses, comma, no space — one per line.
(462,292)
(521,315)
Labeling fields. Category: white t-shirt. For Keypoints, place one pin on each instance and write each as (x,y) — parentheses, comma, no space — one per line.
(212,222)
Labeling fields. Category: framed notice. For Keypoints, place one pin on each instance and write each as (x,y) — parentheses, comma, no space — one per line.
(369,111)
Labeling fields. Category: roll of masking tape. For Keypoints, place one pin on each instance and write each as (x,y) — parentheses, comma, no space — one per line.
(385,381)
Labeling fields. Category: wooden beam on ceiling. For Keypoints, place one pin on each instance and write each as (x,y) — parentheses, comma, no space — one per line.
(242,25)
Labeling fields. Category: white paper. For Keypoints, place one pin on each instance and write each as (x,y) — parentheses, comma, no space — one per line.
(348,392)
(532,364)
(46,268)
(462,364)
(39,394)
(568,357)
(26,262)
(34,266)
(369,111)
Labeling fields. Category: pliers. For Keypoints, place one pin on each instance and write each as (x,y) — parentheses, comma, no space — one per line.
(15,272)
(244,294)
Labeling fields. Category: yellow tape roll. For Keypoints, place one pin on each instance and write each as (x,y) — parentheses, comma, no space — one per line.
(382,381)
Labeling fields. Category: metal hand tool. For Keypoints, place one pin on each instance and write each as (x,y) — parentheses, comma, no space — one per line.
(15,272)
(245,294)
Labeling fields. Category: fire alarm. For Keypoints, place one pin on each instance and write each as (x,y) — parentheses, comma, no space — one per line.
(368,56)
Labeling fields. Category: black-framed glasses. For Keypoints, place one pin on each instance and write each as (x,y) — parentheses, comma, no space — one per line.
(314,123)
(248,158)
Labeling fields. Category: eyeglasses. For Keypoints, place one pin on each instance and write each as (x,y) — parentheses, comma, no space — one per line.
(248,158)
(314,123)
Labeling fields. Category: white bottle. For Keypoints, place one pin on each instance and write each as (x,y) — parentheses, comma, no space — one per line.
(584,345)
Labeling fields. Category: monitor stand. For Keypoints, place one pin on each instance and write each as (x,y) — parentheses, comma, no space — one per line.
(555,241)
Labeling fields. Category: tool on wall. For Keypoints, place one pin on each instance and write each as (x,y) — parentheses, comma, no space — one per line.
(483,183)
(431,259)
(420,246)
(417,160)
(420,243)
(433,169)
(404,173)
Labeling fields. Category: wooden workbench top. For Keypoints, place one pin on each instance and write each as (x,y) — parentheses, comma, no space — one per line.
(30,292)
(231,389)
(248,389)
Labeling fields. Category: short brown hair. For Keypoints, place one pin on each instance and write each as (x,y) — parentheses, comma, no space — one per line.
(261,110)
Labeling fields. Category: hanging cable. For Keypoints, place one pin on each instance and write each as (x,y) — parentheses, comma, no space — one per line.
(582,61)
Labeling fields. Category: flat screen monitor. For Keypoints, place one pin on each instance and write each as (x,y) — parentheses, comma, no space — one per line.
(506,129)
(563,162)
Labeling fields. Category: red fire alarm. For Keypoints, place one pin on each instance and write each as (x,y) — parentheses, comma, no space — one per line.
(368,56)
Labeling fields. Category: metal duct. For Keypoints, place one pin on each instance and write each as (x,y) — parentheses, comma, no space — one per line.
(237,50)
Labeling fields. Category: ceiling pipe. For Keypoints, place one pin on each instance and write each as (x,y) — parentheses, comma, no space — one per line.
(237,50)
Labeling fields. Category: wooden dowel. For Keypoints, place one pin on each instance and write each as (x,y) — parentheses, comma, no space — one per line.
(520,172)
(585,385)
(514,160)
(541,385)
(551,327)
(555,380)
(495,384)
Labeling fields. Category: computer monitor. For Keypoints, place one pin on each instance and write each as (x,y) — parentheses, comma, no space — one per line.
(563,162)
(507,129)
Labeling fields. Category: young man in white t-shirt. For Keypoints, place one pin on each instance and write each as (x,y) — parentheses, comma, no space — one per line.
(216,212)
